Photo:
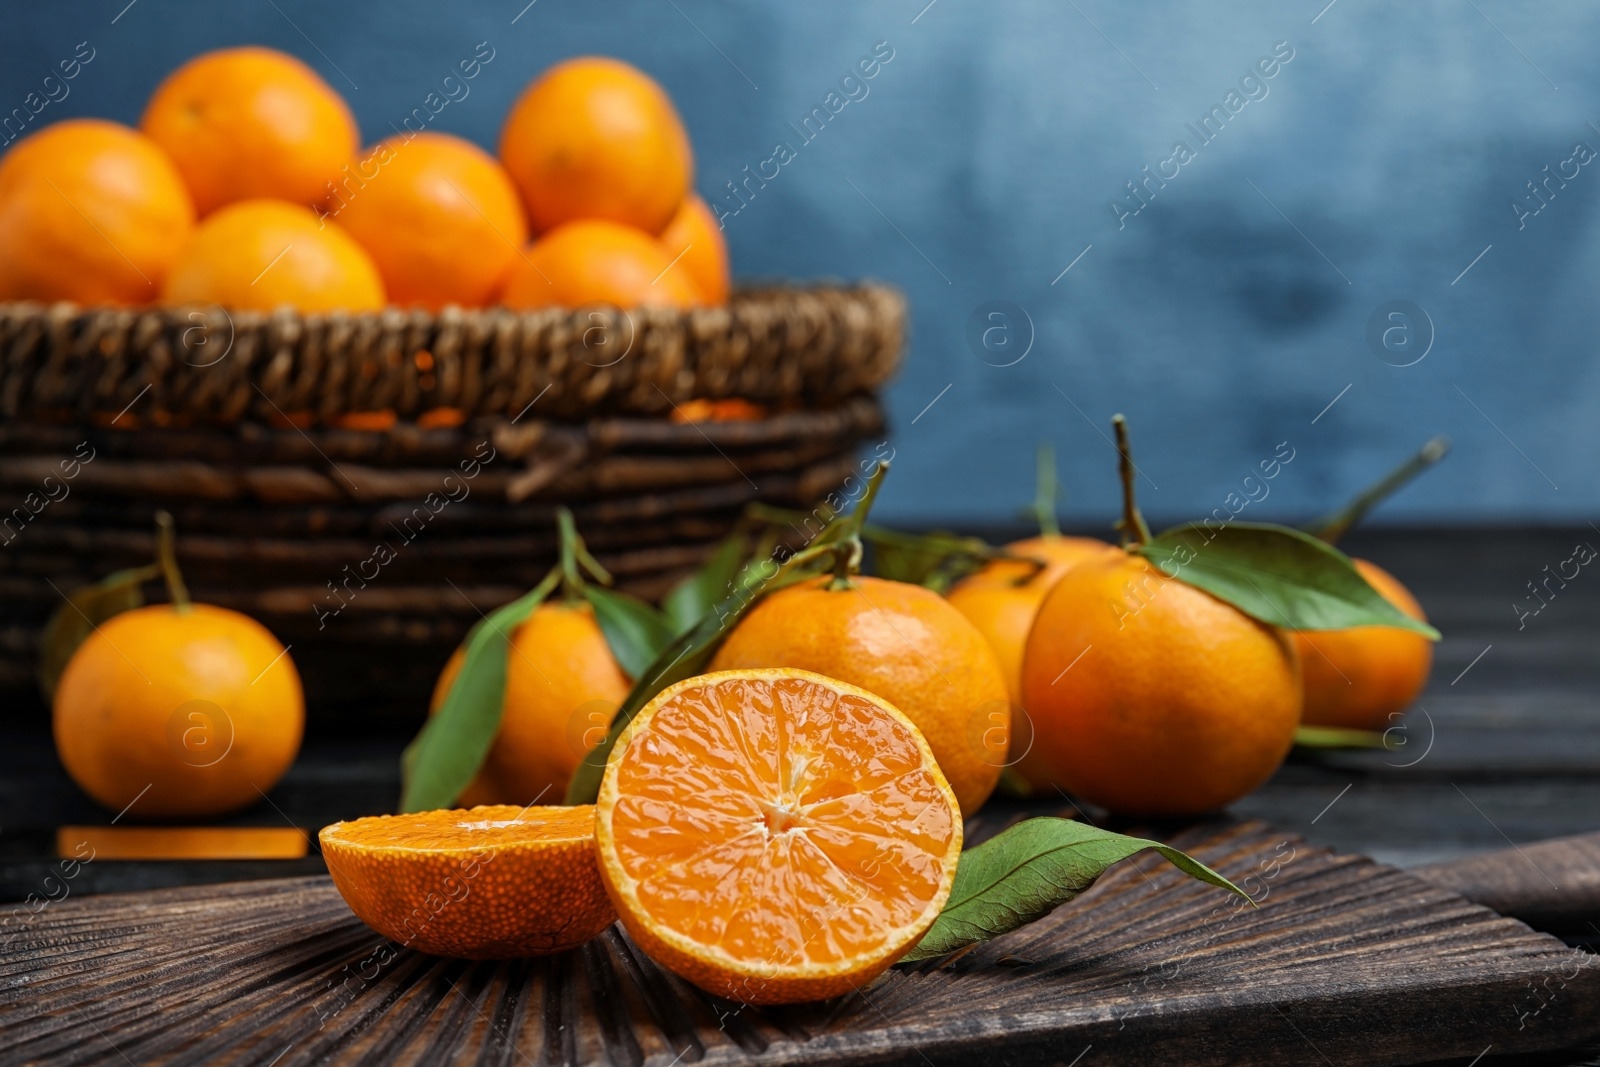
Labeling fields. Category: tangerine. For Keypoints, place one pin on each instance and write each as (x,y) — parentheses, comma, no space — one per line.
(596,138)
(775,836)
(191,711)
(694,241)
(246,123)
(1361,678)
(90,211)
(488,883)
(902,642)
(594,262)
(1150,697)
(563,686)
(265,254)
(440,218)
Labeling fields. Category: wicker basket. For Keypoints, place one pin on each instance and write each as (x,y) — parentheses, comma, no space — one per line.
(232,423)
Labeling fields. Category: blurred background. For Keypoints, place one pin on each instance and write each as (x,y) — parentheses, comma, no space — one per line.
(1388,237)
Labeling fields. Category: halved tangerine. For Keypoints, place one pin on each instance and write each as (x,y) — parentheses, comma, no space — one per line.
(775,836)
(485,883)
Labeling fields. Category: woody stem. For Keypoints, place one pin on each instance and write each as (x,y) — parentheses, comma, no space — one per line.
(167,560)
(1134,530)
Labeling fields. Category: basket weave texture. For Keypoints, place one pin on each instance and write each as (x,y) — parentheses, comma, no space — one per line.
(810,347)
(280,511)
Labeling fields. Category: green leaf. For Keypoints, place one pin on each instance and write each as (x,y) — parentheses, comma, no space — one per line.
(450,748)
(1029,870)
(935,560)
(635,631)
(1281,576)
(1337,737)
(84,610)
(697,594)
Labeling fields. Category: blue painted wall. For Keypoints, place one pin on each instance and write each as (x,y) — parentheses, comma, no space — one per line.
(1380,163)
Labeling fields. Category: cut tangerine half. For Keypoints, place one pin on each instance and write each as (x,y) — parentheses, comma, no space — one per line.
(485,883)
(775,836)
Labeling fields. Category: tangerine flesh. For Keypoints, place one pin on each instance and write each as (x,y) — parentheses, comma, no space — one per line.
(775,836)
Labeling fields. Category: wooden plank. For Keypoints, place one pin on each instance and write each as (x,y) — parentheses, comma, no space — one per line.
(1344,961)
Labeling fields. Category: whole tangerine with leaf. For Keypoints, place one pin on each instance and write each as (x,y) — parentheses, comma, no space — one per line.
(261,255)
(247,123)
(439,217)
(90,211)
(1161,681)
(1364,677)
(597,138)
(177,709)
(533,689)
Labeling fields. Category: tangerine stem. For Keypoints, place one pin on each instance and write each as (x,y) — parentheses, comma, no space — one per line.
(858,518)
(1134,530)
(1332,527)
(167,560)
(575,555)
(847,549)
(1044,491)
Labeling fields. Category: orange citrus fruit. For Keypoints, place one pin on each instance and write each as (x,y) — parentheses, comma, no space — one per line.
(1003,597)
(902,642)
(264,254)
(1362,677)
(244,123)
(775,836)
(563,686)
(1150,697)
(729,409)
(90,211)
(484,883)
(439,217)
(694,240)
(178,712)
(593,262)
(595,138)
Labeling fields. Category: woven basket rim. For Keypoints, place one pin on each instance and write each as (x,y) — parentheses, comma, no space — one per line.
(809,346)
(746,290)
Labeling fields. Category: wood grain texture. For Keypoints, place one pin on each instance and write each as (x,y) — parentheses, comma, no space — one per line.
(1554,885)
(1344,961)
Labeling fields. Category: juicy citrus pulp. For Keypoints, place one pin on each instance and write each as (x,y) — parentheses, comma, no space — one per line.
(492,882)
(774,835)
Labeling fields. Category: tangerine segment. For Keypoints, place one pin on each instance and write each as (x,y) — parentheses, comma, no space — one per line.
(775,836)
(485,883)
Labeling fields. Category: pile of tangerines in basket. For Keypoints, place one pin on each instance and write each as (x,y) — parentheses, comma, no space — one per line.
(246,186)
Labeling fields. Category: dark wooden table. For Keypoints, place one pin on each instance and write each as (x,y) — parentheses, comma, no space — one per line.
(1503,748)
